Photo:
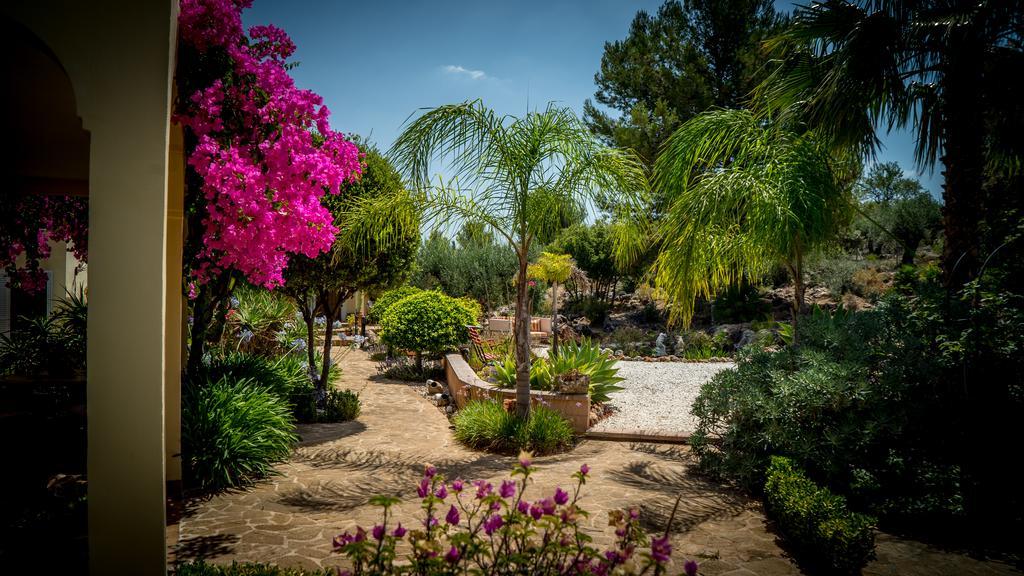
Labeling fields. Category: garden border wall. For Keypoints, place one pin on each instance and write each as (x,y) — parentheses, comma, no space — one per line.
(464,385)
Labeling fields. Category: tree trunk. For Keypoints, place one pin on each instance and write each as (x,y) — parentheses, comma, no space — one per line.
(963,156)
(204,309)
(554,318)
(796,269)
(309,317)
(909,251)
(522,342)
(330,303)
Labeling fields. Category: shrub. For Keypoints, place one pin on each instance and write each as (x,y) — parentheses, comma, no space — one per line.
(201,568)
(855,405)
(822,531)
(472,307)
(426,322)
(489,530)
(487,425)
(340,406)
(279,377)
(869,283)
(233,432)
(592,308)
(54,345)
(740,303)
(699,345)
(385,300)
(257,319)
(833,272)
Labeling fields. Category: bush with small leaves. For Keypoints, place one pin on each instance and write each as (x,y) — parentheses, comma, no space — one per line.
(426,323)
(823,533)
(385,300)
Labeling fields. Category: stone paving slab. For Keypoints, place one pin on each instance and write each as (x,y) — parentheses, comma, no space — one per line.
(323,490)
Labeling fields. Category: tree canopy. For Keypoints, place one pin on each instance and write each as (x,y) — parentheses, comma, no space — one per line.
(675,64)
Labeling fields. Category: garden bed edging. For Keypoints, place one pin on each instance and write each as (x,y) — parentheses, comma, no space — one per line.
(464,385)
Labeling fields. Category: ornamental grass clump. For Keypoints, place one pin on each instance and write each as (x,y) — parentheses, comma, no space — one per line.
(233,432)
(487,425)
(481,528)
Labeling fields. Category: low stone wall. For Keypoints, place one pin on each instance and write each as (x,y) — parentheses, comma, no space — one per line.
(465,385)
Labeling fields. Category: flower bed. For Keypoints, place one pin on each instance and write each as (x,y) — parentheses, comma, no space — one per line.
(464,386)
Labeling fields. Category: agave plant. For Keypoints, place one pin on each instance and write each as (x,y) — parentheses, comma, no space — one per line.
(541,373)
(586,358)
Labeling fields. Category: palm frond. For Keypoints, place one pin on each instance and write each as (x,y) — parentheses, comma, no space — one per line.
(743,197)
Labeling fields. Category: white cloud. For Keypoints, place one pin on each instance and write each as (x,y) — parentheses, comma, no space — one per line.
(460,71)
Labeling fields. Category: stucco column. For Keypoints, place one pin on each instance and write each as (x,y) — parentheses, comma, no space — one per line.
(128,116)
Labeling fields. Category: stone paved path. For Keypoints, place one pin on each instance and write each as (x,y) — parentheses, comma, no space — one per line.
(290,519)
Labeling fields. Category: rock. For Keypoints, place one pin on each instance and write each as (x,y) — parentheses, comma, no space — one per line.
(659,345)
(734,331)
(746,338)
(619,353)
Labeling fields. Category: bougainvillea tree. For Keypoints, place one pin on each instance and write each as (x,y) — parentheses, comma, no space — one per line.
(28,223)
(261,154)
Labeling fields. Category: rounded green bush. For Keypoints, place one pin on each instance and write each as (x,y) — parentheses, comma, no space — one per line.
(387,299)
(487,425)
(426,322)
(233,432)
(340,406)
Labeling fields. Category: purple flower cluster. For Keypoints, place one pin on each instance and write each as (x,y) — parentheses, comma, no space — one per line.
(500,531)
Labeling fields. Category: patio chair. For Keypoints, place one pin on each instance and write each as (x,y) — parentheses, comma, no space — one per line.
(478,345)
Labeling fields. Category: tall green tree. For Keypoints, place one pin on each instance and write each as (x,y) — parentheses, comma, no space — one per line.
(947,70)
(592,247)
(474,265)
(897,209)
(523,177)
(742,197)
(378,224)
(675,64)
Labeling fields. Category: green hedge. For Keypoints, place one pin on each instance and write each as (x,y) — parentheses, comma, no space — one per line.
(823,532)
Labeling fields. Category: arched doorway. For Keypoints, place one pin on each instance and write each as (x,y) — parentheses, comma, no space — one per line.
(43,394)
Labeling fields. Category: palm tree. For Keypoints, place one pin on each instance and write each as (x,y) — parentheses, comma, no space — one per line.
(743,197)
(847,68)
(525,178)
(556,269)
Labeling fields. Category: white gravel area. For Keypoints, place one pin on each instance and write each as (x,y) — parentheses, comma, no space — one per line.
(657,396)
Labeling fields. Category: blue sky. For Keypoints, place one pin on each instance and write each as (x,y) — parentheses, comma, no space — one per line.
(377,62)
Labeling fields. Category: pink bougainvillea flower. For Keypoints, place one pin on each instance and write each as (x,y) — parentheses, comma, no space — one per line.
(264,151)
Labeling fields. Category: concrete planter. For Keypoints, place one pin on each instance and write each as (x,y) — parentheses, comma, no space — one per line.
(465,385)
